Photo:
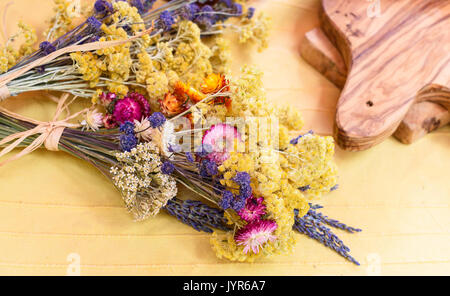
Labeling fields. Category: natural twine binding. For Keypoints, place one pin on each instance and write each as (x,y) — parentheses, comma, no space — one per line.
(8,77)
(4,93)
(49,132)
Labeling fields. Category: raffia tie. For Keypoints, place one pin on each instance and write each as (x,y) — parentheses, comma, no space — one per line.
(49,132)
(4,93)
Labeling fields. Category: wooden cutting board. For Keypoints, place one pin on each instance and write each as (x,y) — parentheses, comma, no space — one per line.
(399,67)
(421,119)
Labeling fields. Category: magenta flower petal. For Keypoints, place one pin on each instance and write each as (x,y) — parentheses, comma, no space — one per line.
(255,234)
(254,209)
(220,138)
(127,109)
(143,102)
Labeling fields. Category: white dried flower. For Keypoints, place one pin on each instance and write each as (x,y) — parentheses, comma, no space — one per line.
(143,130)
(93,120)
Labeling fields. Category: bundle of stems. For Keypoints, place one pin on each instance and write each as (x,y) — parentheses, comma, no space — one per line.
(60,74)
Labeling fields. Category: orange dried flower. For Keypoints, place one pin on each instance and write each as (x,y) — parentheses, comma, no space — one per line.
(182,89)
(172,105)
(214,83)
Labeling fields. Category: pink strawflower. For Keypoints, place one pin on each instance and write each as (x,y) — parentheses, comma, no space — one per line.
(220,138)
(255,234)
(127,109)
(132,107)
(142,101)
(254,209)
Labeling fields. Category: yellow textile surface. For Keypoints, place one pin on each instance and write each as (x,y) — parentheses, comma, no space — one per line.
(55,209)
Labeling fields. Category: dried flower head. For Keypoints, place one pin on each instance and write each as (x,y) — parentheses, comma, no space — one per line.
(93,120)
(144,188)
(254,235)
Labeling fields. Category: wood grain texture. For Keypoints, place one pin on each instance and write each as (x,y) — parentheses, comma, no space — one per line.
(394,60)
(320,53)
(421,119)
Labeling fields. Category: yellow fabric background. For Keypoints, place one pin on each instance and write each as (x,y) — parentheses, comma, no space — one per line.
(52,205)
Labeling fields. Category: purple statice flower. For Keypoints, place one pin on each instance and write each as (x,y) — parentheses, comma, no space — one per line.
(238,203)
(227,199)
(128,142)
(305,188)
(250,12)
(189,157)
(157,119)
(237,9)
(127,127)
(242,178)
(245,190)
(295,140)
(142,5)
(207,168)
(167,168)
(194,8)
(47,47)
(93,23)
(187,12)
(103,6)
(206,16)
(166,20)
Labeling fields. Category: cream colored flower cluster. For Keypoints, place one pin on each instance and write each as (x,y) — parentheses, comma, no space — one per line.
(144,188)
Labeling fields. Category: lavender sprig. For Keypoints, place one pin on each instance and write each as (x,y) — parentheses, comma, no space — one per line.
(197,215)
(313,225)
(331,222)
(203,218)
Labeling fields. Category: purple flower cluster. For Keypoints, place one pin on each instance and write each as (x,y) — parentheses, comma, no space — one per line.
(102,7)
(167,168)
(206,16)
(208,168)
(93,23)
(237,202)
(128,142)
(157,119)
(127,127)
(128,139)
(166,20)
(142,5)
(47,47)
(227,200)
